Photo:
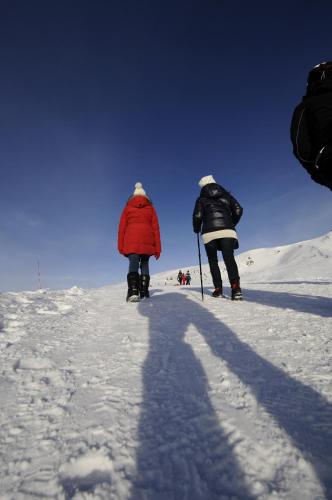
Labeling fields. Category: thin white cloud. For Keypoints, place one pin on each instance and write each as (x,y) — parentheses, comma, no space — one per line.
(305,220)
(20,219)
(28,220)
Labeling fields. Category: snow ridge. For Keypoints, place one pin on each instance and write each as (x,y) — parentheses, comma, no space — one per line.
(306,260)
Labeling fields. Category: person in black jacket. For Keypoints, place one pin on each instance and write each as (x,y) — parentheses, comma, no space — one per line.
(311,126)
(188,277)
(216,214)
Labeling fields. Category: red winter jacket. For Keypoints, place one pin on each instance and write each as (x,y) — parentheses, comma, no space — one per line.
(139,228)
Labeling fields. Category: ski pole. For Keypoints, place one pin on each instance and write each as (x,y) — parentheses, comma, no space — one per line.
(200,265)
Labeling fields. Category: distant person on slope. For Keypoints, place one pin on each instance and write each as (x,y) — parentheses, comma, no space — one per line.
(216,214)
(179,277)
(311,127)
(138,239)
(188,277)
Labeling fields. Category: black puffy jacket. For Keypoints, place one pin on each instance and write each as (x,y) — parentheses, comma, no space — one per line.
(311,126)
(215,209)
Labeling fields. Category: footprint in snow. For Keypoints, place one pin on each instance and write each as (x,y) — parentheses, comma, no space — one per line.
(87,471)
(55,308)
(30,363)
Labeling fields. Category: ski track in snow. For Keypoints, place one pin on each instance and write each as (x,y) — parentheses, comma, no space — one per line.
(171,398)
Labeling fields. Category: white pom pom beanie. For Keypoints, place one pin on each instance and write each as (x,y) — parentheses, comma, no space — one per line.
(139,191)
(208,179)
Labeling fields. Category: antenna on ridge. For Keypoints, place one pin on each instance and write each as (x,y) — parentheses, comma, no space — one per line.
(38,272)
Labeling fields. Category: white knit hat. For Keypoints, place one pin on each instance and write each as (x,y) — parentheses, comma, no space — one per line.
(208,179)
(139,191)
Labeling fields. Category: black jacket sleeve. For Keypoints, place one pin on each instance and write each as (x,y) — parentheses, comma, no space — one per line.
(197,216)
(236,210)
(303,147)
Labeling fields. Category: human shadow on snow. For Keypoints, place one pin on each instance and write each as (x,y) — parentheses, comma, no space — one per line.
(292,282)
(181,442)
(183,452)
(312,304)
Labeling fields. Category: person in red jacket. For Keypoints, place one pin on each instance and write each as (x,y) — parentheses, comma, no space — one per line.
(139,239)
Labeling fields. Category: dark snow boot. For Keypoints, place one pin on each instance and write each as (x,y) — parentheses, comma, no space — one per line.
(217,292)
(133,287)
(144,281)
(236,291)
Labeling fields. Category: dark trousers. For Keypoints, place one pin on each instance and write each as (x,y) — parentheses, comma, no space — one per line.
(137,261)
(226,246)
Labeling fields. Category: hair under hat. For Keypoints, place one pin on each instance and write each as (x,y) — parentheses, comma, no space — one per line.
(139,191)
(208,179)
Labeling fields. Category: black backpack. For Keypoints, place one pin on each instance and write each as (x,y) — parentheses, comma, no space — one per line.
(318,76)
(311,127)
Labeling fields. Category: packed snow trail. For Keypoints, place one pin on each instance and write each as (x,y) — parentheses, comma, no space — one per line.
(171,398)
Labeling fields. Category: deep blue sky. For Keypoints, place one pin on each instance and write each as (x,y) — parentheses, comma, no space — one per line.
(97,95)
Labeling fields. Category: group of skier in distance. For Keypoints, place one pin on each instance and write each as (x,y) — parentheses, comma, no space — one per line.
(184,278)
(216,212)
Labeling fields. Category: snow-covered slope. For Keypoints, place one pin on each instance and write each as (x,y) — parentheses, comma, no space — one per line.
(303,261)
(172,398)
